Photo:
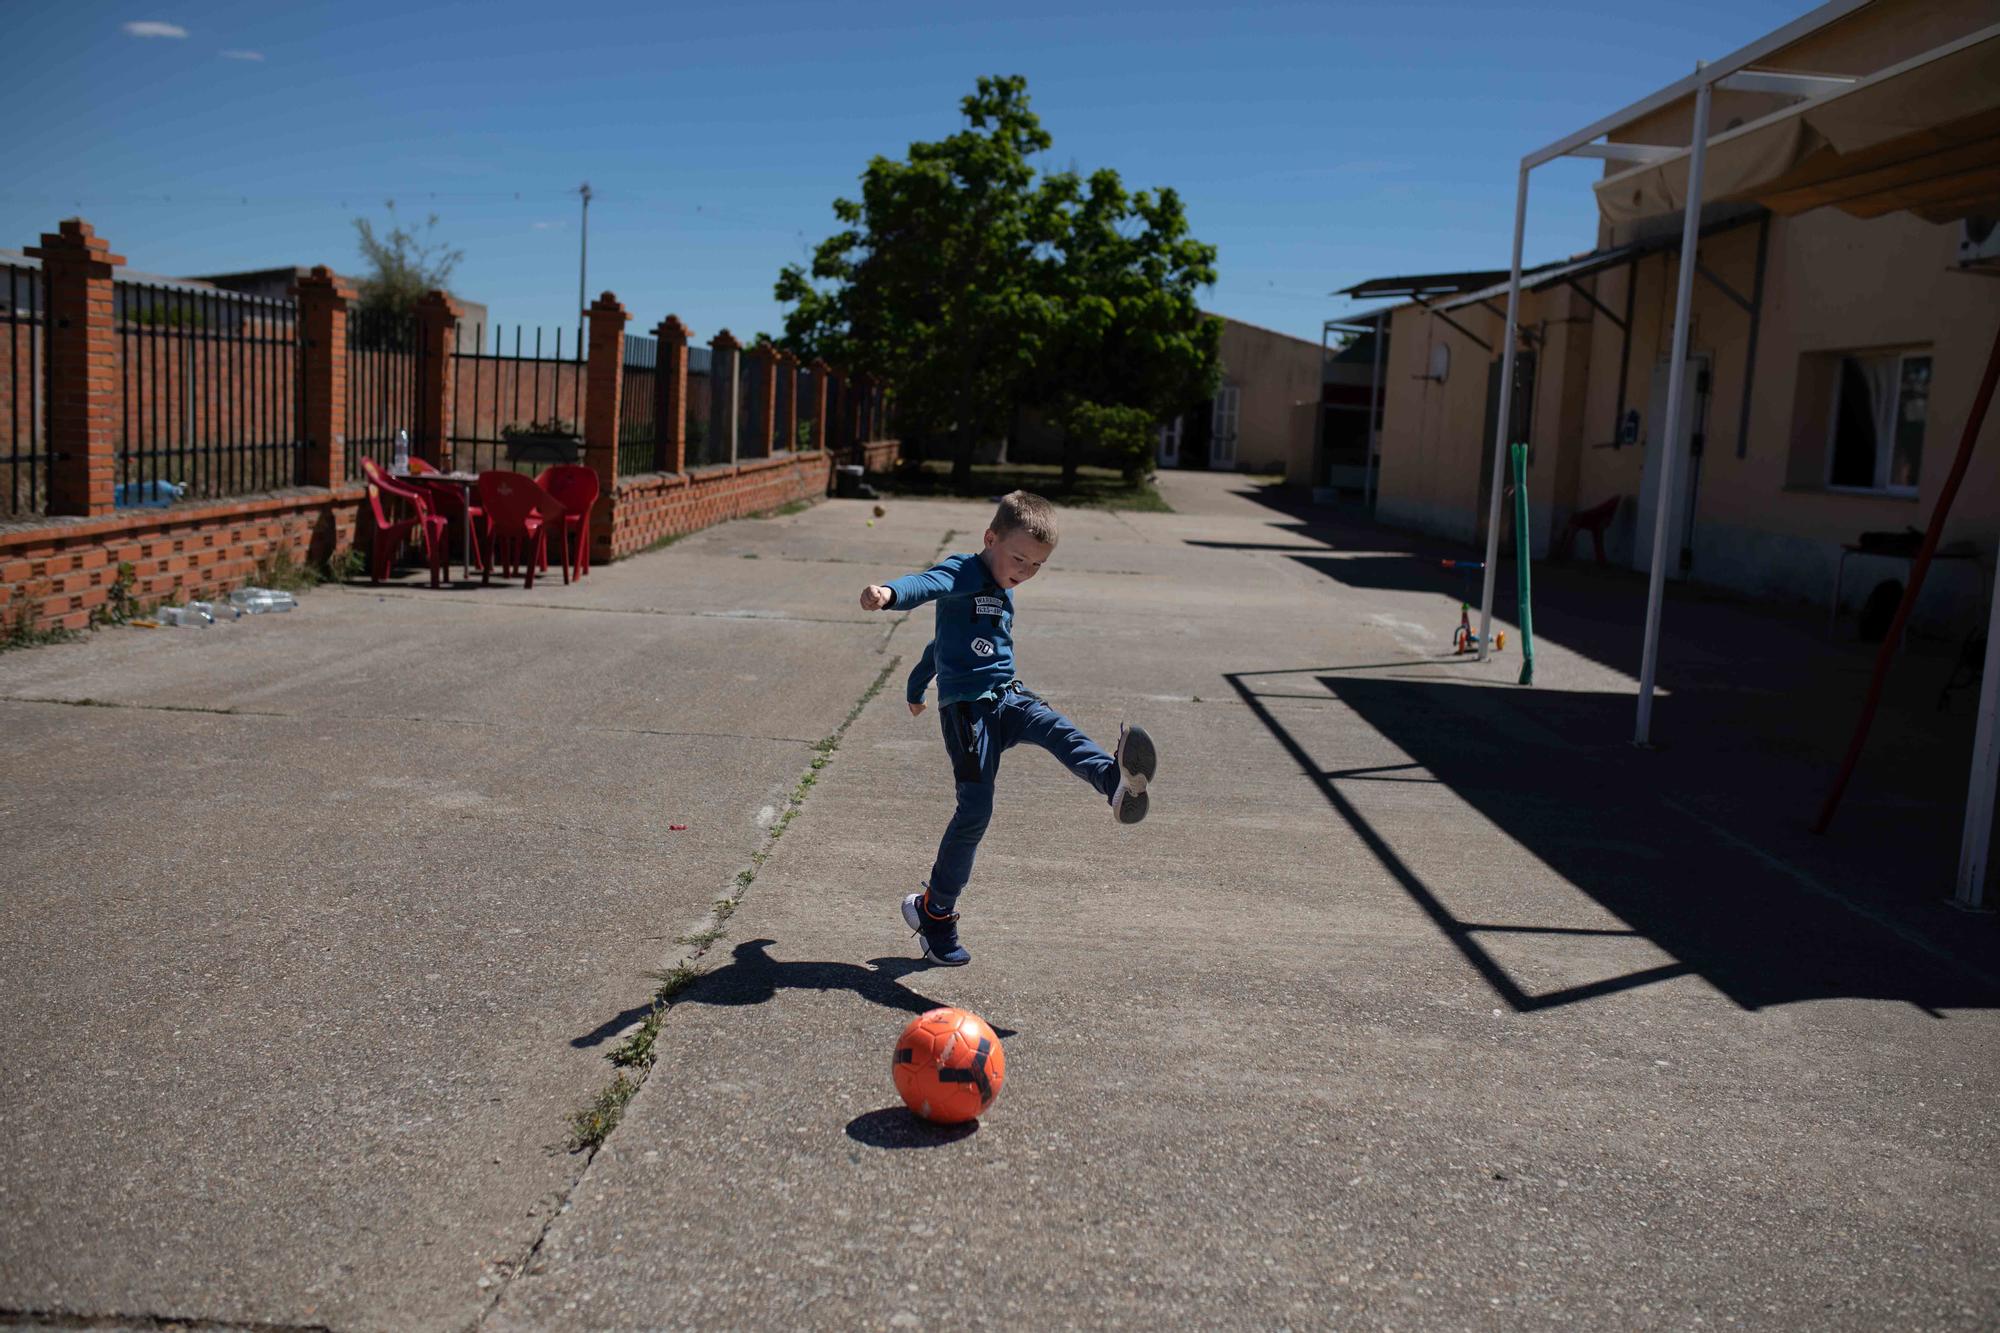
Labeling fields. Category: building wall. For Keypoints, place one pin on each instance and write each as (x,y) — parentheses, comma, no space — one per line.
(1279,380)
(1764,523)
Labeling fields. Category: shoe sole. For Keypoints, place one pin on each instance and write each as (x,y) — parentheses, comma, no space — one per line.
(915,923)
(1136,755)
(1137,762)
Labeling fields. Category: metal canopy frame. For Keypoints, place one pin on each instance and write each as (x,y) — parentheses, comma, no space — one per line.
(1700,85)
(1730,72)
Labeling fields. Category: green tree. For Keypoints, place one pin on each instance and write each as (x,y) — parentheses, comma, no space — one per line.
(975,286)
(402,265)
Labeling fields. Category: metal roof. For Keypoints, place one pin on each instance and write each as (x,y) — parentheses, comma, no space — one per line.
(1422,284)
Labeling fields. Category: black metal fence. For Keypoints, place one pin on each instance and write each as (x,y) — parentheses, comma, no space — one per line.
(809,395)
(518,407)
(704,444)
(210,385)
(23,392)
(385,371)
(638,428)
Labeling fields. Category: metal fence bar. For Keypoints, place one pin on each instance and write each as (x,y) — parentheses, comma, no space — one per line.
(638,427)
(385,360)
(492,420)
(211,392)
(25,449)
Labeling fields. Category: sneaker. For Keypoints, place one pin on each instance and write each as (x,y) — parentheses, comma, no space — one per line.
(938,933)
(1137,762)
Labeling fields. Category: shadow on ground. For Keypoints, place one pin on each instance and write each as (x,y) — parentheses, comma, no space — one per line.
(1635,835)
(754,977)
(899,1127)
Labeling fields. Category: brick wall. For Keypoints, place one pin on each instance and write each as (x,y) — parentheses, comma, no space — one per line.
(62,570)
(645,509)
(881,456)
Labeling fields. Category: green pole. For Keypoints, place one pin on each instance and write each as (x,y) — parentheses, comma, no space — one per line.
(1520,457)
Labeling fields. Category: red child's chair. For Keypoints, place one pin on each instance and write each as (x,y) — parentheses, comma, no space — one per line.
(519,513)
(1594,521)
(392,533)
(575,487)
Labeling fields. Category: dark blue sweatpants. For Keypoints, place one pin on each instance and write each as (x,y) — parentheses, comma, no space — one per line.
(975,735)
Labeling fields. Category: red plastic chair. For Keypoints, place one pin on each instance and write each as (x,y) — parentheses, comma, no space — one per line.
(576,488)
(448,500)
(1593,521)
(390,533)
(519,513)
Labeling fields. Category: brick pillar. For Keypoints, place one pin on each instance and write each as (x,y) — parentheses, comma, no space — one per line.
(822,372)
(322,299)
(670,395)
(764,399)
(437,336)
(788,412)
(82,349)
(725,383)
(604,389)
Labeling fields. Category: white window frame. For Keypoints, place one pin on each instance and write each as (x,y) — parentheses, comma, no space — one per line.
(1885,449)
(1171,431)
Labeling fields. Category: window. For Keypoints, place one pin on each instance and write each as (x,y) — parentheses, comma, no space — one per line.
(1876,439)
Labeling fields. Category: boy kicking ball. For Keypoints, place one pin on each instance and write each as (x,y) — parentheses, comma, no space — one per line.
(984,710)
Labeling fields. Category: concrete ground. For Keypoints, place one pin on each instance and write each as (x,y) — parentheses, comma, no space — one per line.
(1422,1001)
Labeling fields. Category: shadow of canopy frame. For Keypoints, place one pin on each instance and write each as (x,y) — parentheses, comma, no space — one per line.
(1920,135)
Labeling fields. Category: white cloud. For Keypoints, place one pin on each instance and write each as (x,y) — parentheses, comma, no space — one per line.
(548,226)
(242,55)
(153,28)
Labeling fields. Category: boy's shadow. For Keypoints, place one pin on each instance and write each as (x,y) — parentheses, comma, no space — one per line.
(753,976)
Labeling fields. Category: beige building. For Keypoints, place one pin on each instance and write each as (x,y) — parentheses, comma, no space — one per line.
(1842,314)
(1261,417)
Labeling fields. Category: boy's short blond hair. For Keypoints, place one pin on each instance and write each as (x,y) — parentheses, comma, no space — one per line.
(1021,511)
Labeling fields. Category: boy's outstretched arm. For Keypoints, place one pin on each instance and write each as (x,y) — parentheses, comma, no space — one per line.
(912,590)
(920,678)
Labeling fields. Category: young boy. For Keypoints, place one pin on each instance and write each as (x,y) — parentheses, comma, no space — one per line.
(984,710)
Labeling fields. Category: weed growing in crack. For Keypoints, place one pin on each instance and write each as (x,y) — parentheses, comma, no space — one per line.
(634,1056)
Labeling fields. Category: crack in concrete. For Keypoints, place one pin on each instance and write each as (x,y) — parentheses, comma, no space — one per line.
(432,720)
(179,1323)
(733,895)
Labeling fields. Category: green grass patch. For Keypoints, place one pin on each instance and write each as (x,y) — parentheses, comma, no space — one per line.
(1096,487)
(785,510)
(589,1127)
(280,571)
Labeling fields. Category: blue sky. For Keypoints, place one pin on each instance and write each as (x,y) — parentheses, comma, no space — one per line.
(1315,144)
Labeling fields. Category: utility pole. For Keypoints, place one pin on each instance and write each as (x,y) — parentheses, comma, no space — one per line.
(583,256)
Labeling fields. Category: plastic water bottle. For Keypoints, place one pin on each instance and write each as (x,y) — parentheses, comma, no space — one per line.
(401,464)
(256,601)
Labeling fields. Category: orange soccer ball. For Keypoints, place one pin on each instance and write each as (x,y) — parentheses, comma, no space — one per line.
(949,1066)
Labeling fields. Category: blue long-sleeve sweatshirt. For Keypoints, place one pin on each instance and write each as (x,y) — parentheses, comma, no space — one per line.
(972,651)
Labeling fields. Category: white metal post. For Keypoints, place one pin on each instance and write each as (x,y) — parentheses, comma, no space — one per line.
(1500,427)
(1977,845)
(1670,444)
(1374,416)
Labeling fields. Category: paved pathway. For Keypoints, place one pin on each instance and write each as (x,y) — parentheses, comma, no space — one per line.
(1422,1001)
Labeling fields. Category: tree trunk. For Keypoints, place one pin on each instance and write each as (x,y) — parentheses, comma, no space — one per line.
(961,463)
(1072,455)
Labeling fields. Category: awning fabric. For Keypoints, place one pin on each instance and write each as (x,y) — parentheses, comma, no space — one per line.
(1922,136)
